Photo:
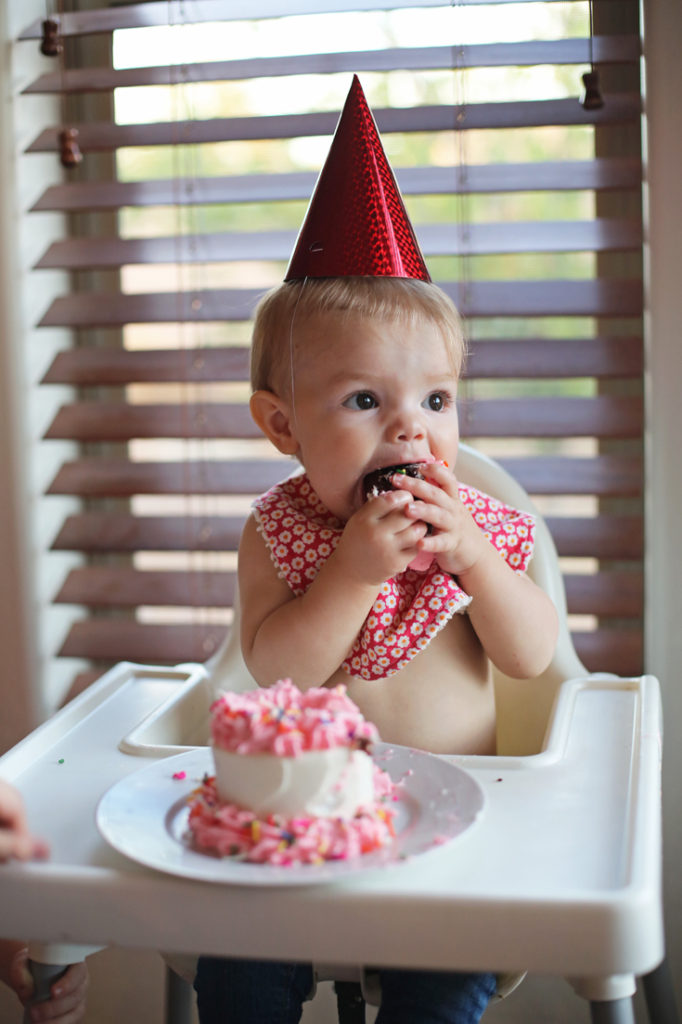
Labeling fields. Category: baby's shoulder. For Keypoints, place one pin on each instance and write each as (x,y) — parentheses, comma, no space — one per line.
(252,547)
(260,583)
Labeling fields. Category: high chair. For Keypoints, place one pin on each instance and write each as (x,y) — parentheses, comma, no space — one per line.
(582,900)
(523,712)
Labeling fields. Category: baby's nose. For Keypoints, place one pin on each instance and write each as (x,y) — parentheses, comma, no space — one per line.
(408,426)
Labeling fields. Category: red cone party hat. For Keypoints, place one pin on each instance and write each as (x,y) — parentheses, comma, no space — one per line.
(356,224)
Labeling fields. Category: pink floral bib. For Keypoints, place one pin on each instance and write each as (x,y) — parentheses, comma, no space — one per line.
(412,607)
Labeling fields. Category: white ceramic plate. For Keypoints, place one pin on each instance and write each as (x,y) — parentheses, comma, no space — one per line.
(144,816)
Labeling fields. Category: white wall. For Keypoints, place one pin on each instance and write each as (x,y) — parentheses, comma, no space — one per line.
(18,665)
(31,627)
(663,124)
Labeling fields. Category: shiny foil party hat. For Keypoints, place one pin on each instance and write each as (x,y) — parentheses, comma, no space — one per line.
(356,224)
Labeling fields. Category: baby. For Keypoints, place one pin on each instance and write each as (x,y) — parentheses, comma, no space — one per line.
(356,360)
(370,380)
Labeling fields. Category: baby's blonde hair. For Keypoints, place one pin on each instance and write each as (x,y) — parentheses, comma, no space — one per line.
(380,298)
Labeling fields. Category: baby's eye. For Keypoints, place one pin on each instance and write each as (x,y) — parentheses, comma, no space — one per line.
(361,400)
(437,401)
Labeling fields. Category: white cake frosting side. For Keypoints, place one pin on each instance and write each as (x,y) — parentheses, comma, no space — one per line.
(322,783)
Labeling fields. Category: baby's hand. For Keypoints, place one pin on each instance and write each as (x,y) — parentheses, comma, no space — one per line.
(379,541)
(15,838)
(66,1004)
(454,540)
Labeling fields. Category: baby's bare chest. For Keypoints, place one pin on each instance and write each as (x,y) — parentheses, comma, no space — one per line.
(441,701)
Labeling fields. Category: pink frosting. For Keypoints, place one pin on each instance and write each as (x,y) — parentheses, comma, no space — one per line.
(232,831)
(282,720)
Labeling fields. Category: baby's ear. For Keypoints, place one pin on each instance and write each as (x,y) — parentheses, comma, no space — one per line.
(273,416)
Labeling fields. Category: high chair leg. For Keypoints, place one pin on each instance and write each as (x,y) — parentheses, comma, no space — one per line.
(350,1003)
(179,999)
(612,1011)
(660,996)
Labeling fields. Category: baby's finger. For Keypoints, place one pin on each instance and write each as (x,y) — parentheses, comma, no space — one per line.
(438,517)
(431,488)
(12,813)
(41,849)
(411,536)
(432,506)
(69,1010)
(67,998)
(380,506)
(74,981)
(15,845)
(439,474)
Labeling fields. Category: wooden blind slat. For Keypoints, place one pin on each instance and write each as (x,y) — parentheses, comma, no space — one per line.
(118,421)
(619,108)
(606,50)
(542,358)
(592,297)
(597,297)
(614,650)
(81,681)
(178,12)
(601,174)
(102,309)
(598,235)
(538,358)
(607,537)
(150,643)
(603,476)
(611,594)
(602,416)
(611,650)
(607,594)
(101,532)
(119,587)
(82,367)
(92,477)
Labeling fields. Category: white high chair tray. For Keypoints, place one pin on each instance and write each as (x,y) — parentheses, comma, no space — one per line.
(561,874)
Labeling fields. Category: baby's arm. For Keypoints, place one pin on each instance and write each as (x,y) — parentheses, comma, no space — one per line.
(308,637)
(514,619)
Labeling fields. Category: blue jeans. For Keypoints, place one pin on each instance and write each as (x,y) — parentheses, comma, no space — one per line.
(264,992)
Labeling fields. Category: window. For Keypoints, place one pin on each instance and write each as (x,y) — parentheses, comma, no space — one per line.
(202,134)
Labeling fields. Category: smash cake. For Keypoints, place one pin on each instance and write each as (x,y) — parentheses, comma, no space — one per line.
(294,782)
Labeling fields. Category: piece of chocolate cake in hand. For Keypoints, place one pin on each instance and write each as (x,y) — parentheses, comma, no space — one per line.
(379,480)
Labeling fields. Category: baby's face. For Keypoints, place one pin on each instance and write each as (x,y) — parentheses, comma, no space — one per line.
(369,394)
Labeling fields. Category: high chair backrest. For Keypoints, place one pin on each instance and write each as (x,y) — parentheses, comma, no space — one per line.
(523,706)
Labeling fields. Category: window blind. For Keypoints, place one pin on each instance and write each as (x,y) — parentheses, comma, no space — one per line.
(195,177)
